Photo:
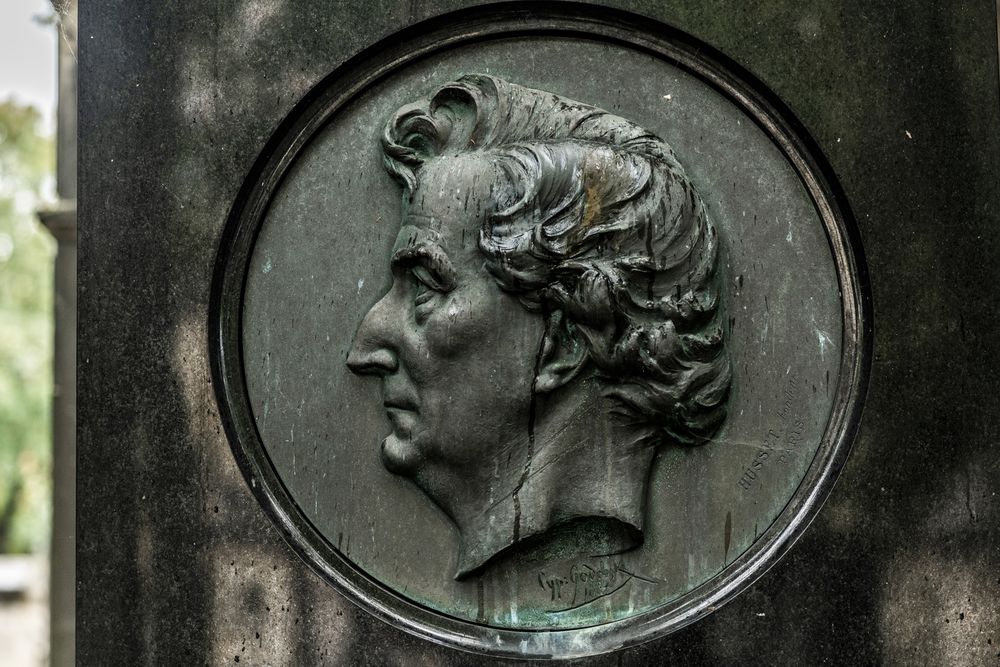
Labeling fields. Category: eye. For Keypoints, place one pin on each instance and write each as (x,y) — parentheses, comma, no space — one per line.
(426,287)
(426,278)
(424,294)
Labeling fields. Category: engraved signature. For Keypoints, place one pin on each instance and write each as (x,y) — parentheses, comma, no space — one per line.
(586,583)
(790,434)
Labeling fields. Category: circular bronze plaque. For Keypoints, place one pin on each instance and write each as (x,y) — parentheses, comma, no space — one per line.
(540,333)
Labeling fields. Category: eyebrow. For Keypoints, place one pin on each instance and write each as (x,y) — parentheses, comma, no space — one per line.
(432,256)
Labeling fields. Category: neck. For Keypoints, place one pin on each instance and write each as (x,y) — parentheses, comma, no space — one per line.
(576,467)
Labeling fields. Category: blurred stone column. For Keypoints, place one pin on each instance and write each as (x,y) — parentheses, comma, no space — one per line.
(61,222)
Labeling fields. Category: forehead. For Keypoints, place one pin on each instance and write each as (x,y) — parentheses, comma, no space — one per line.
(452,197)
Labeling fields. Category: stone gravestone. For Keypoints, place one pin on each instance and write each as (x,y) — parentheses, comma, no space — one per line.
(444,333)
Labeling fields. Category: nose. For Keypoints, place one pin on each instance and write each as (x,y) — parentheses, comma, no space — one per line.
(372,352)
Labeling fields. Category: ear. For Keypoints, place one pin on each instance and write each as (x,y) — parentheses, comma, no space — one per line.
(563,354)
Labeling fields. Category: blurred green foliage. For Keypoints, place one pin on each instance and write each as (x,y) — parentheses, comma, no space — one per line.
(27,165)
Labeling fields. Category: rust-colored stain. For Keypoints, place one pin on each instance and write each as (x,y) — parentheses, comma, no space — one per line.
(592,206)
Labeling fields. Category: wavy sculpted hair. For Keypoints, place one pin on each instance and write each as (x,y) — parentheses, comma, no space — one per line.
(596,219)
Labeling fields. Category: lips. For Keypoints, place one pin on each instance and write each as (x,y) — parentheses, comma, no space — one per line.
(402,414)
(399,403)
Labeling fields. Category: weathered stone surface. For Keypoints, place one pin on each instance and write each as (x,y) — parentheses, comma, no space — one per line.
(177,563)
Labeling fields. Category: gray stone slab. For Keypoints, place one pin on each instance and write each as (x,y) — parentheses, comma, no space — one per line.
(177,563)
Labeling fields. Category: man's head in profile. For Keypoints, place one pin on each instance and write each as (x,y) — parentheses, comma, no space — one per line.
(553,317)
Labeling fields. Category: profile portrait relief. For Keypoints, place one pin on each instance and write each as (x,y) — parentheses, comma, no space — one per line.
(554,318)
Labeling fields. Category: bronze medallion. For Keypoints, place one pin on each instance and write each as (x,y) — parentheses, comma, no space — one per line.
(540,334)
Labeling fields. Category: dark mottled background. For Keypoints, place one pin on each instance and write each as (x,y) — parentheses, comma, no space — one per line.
(177,564)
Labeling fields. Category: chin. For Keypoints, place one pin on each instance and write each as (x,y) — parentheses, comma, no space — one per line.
(400,456)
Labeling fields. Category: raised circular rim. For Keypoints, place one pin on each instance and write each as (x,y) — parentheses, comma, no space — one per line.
(489,22)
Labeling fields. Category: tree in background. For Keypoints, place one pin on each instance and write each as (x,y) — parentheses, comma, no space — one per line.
(26,255)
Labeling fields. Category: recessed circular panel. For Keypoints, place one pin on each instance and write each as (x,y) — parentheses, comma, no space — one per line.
(539,334)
